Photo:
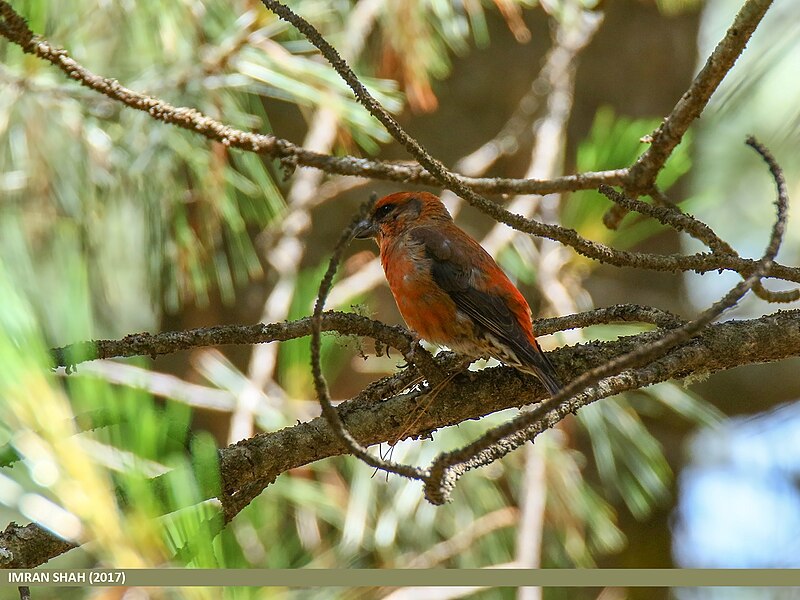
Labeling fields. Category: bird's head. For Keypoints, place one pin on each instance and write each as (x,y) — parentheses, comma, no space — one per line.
(395,213)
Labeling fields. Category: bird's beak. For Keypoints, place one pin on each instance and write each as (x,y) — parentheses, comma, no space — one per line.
(365,229)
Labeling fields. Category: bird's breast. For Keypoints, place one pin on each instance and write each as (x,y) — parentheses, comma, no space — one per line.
(425,307)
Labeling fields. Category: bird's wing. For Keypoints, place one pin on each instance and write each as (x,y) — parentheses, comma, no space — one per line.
(457,263)
(455,273)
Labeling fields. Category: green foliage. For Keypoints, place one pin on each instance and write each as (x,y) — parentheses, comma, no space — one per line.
(75,473)
(629,459)
(516,266)
(294,372)
(579,523)
(156,215)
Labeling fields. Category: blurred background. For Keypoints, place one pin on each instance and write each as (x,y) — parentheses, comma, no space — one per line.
(112,223)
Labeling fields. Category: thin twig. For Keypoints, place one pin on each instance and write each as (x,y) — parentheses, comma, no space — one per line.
(672,217)
(446,178)
(169,342)
(669,134)
(776,296)
(618,313)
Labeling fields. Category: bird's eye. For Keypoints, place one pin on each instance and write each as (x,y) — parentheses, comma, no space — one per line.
(383,211)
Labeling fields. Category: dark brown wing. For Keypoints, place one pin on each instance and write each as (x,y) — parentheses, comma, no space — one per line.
(454,272)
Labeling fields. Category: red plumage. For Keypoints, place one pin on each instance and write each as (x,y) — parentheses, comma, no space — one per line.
(447,287)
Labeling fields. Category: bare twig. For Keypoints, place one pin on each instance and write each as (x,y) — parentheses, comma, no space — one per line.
(642,173)
(641,176)
(169,342)
(781,296)
(446,178)
(619,313)
(777,296)
(672,217)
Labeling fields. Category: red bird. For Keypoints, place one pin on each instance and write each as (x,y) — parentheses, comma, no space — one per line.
(447,287)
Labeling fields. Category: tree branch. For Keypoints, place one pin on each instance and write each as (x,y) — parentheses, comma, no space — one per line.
(250,465)
(169,342)
(29,546)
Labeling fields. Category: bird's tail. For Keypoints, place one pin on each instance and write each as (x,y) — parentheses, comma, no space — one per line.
(539,365)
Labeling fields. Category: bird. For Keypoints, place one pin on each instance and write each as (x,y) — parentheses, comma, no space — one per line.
(449,290)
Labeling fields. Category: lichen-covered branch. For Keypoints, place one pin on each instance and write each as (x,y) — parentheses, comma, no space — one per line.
(169,342)
(25,547)
(250,465)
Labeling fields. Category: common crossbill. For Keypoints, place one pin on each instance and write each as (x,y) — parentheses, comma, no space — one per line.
(447,287)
